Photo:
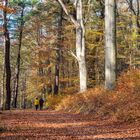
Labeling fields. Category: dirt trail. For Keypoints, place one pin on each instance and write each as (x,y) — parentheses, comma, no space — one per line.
(50,125)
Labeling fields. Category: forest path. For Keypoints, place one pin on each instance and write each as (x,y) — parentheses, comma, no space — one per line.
(51,125)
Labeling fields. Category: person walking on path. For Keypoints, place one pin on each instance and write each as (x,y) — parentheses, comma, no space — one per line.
(41,101)
(36,103)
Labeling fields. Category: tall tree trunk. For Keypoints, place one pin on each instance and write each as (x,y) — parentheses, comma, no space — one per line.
(80,41)
(1,97)
(110,44)
(57,65)
(7,60)
(62,69)
(80,47)
(23,91)
(18,60)
(56,81)
(2,86)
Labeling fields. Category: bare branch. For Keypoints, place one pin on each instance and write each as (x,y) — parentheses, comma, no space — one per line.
(75,3)
(131,7)
(72,53)
(138,8)
(67,13)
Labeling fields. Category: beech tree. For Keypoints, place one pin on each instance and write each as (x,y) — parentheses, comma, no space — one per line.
(80,40)
(110,44)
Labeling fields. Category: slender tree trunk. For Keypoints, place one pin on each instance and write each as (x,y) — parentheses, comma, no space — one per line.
(110,44)
(138,17)
(18,60)
(80,47)
(68,74)
(62,69)
(56,82)
(7,60)
(57,65)
(1,97)
(23,100)
(24,95)
(2,87)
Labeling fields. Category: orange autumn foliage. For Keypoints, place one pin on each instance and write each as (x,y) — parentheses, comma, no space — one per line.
(7,9)
(122,103)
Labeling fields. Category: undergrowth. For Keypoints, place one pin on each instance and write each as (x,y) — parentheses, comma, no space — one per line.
(53,101)
(122,103)
(2,126)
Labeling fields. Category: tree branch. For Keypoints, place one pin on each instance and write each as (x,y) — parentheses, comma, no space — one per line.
(88,11)
(138,8)
(75,3)
(67,13)
(72,53)
(131,7)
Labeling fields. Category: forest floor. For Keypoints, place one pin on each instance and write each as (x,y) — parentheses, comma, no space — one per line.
(51,125)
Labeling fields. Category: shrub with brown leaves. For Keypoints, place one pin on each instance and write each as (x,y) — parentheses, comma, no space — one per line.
(123,102)
(53,101)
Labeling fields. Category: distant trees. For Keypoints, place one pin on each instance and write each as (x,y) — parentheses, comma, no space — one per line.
(134,6)
(134,9)
(9,32)
(127,36)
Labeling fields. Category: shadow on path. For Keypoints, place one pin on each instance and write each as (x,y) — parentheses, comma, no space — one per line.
(49,125)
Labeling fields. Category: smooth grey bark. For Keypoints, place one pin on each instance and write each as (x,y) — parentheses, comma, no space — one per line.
(80,41)
(110,44)
(80,47)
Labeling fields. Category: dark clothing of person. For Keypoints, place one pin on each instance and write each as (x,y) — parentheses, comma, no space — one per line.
(41,101)
(36,107)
